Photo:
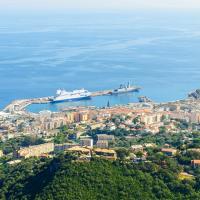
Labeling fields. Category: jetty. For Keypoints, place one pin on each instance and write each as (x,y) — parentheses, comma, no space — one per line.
(20,105)
(101,93)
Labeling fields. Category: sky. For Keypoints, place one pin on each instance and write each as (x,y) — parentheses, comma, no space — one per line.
(95,5)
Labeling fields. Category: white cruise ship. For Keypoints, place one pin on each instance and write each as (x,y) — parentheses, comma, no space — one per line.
(75,95)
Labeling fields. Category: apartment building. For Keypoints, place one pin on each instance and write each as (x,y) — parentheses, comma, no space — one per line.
(36,150)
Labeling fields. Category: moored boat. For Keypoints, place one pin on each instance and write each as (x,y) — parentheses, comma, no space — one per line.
(125,89)
(75,95)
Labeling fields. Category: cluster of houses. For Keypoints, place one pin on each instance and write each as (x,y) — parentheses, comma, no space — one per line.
(152,117)
(86,149)
(132,117)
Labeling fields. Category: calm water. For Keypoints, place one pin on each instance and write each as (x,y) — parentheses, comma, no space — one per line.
(100,101)
(39,54)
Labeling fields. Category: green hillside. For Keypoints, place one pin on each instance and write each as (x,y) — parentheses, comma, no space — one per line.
(64,178)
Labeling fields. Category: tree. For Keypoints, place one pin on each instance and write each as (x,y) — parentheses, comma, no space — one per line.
(162,129)
(122,153)
(60,138)
(139,154)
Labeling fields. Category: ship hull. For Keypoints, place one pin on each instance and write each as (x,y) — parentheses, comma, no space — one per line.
(70,100)
(125,91)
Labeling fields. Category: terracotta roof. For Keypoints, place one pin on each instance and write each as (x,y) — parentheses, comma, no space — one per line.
(104,150)
(196,162)
(77,148)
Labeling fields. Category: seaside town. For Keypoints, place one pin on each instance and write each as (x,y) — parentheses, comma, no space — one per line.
(102,132)
(100,100)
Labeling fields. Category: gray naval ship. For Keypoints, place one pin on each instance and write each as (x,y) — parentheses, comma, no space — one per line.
(125,89)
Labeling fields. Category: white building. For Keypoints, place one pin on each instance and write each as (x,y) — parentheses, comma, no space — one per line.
(86,142)
(106,137)
(102,144)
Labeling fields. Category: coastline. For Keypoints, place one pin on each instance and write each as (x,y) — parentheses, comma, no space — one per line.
(21,104)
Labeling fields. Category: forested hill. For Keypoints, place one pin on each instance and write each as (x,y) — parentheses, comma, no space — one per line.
(63,178)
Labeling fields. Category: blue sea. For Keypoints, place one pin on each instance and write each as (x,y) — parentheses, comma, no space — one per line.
(39,53)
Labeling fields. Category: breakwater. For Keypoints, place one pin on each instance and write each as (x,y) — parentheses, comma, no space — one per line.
(20,105)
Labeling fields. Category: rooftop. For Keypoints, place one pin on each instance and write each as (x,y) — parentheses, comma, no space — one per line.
(196,162)
(77,148)
(104,150)
(168,150)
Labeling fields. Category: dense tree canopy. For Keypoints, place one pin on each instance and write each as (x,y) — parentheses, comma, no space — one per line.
(65,178)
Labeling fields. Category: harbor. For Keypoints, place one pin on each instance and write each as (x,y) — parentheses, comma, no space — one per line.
(22,104)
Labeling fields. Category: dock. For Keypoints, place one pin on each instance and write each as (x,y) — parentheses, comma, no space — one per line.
(101,93)
(20,105)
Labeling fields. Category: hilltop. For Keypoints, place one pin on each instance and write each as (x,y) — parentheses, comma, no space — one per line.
(65,178)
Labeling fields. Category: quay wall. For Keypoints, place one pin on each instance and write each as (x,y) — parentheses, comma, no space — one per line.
(19,105)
